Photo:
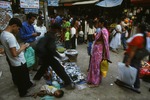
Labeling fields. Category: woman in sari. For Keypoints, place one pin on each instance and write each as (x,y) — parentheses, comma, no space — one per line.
(99,52)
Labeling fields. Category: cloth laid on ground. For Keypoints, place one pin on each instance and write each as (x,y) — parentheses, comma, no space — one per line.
(72,70)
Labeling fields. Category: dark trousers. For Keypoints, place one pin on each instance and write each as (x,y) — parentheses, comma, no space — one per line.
(123,40)
(56,66)
(73,43)
(67,44)
(20,77)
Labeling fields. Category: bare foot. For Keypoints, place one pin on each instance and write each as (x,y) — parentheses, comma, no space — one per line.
(92,85)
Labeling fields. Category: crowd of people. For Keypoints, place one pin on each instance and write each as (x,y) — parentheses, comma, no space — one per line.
(72,31)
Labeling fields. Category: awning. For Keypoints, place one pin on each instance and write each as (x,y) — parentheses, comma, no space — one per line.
(109,3)
(85,2)
(70,1)
(141,2)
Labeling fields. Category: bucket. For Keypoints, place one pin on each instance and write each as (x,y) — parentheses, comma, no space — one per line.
(72,55)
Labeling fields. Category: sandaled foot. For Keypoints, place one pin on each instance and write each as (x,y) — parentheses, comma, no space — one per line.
(92,85)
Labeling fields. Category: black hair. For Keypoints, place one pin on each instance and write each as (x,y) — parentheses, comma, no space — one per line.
(55,26)
(61,94)
(102,20)
(15,21)
(91,24)
(126,27)
(30,15)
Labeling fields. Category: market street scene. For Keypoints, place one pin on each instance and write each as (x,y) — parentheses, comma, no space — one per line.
(74,49)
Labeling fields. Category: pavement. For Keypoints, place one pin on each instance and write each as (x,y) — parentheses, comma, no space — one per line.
(106,91)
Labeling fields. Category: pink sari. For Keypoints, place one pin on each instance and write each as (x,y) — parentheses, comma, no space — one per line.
(94,75)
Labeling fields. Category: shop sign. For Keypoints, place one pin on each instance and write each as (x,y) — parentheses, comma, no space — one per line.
(5,5)
(29,3)
(52,2)
(32,10)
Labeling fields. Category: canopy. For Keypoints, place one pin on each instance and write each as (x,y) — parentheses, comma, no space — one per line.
(70,1)
(141,2)
(85,2)
(109,3)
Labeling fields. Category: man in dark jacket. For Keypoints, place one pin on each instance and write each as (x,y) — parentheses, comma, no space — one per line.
(46,50)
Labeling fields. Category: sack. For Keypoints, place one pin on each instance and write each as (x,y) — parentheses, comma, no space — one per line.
(29,56)
(104,67)
(126,74)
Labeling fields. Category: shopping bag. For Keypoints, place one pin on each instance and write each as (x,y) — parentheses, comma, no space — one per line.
(104,67)
(29,56)
(127,74)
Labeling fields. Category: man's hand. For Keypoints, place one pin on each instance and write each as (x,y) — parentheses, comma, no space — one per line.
(35,34)
(23,46)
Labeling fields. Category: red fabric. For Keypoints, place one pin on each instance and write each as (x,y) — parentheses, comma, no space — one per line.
(137,41)
(144,71)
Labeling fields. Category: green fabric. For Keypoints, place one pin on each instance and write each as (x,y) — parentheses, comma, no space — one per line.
(29,56)
(67,36)
(67,24)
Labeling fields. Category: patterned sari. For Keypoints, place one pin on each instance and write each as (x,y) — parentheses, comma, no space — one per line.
(94,74)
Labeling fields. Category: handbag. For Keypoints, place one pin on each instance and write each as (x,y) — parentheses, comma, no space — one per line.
(104,67)
(29,56)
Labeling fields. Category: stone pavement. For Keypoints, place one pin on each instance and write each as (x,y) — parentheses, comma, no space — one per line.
(106,91)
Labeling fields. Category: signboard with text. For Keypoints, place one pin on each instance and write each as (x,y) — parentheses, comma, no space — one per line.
(32,10)
(5,5)
(29,3)
(52,2)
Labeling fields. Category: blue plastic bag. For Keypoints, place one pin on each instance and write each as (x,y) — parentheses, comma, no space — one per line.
(29,56)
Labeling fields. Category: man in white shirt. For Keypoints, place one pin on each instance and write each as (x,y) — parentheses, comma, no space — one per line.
(73,36)
(15,56)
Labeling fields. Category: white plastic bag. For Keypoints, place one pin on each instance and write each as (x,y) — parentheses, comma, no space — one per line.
(126,74)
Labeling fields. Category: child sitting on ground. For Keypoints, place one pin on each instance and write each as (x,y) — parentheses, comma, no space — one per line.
(49,90)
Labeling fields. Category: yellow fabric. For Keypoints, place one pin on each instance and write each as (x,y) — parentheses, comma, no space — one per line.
(104,67)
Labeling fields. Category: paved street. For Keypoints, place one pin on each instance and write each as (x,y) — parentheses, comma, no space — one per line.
(106,91)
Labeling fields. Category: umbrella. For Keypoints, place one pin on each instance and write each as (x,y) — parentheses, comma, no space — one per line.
(109,3)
